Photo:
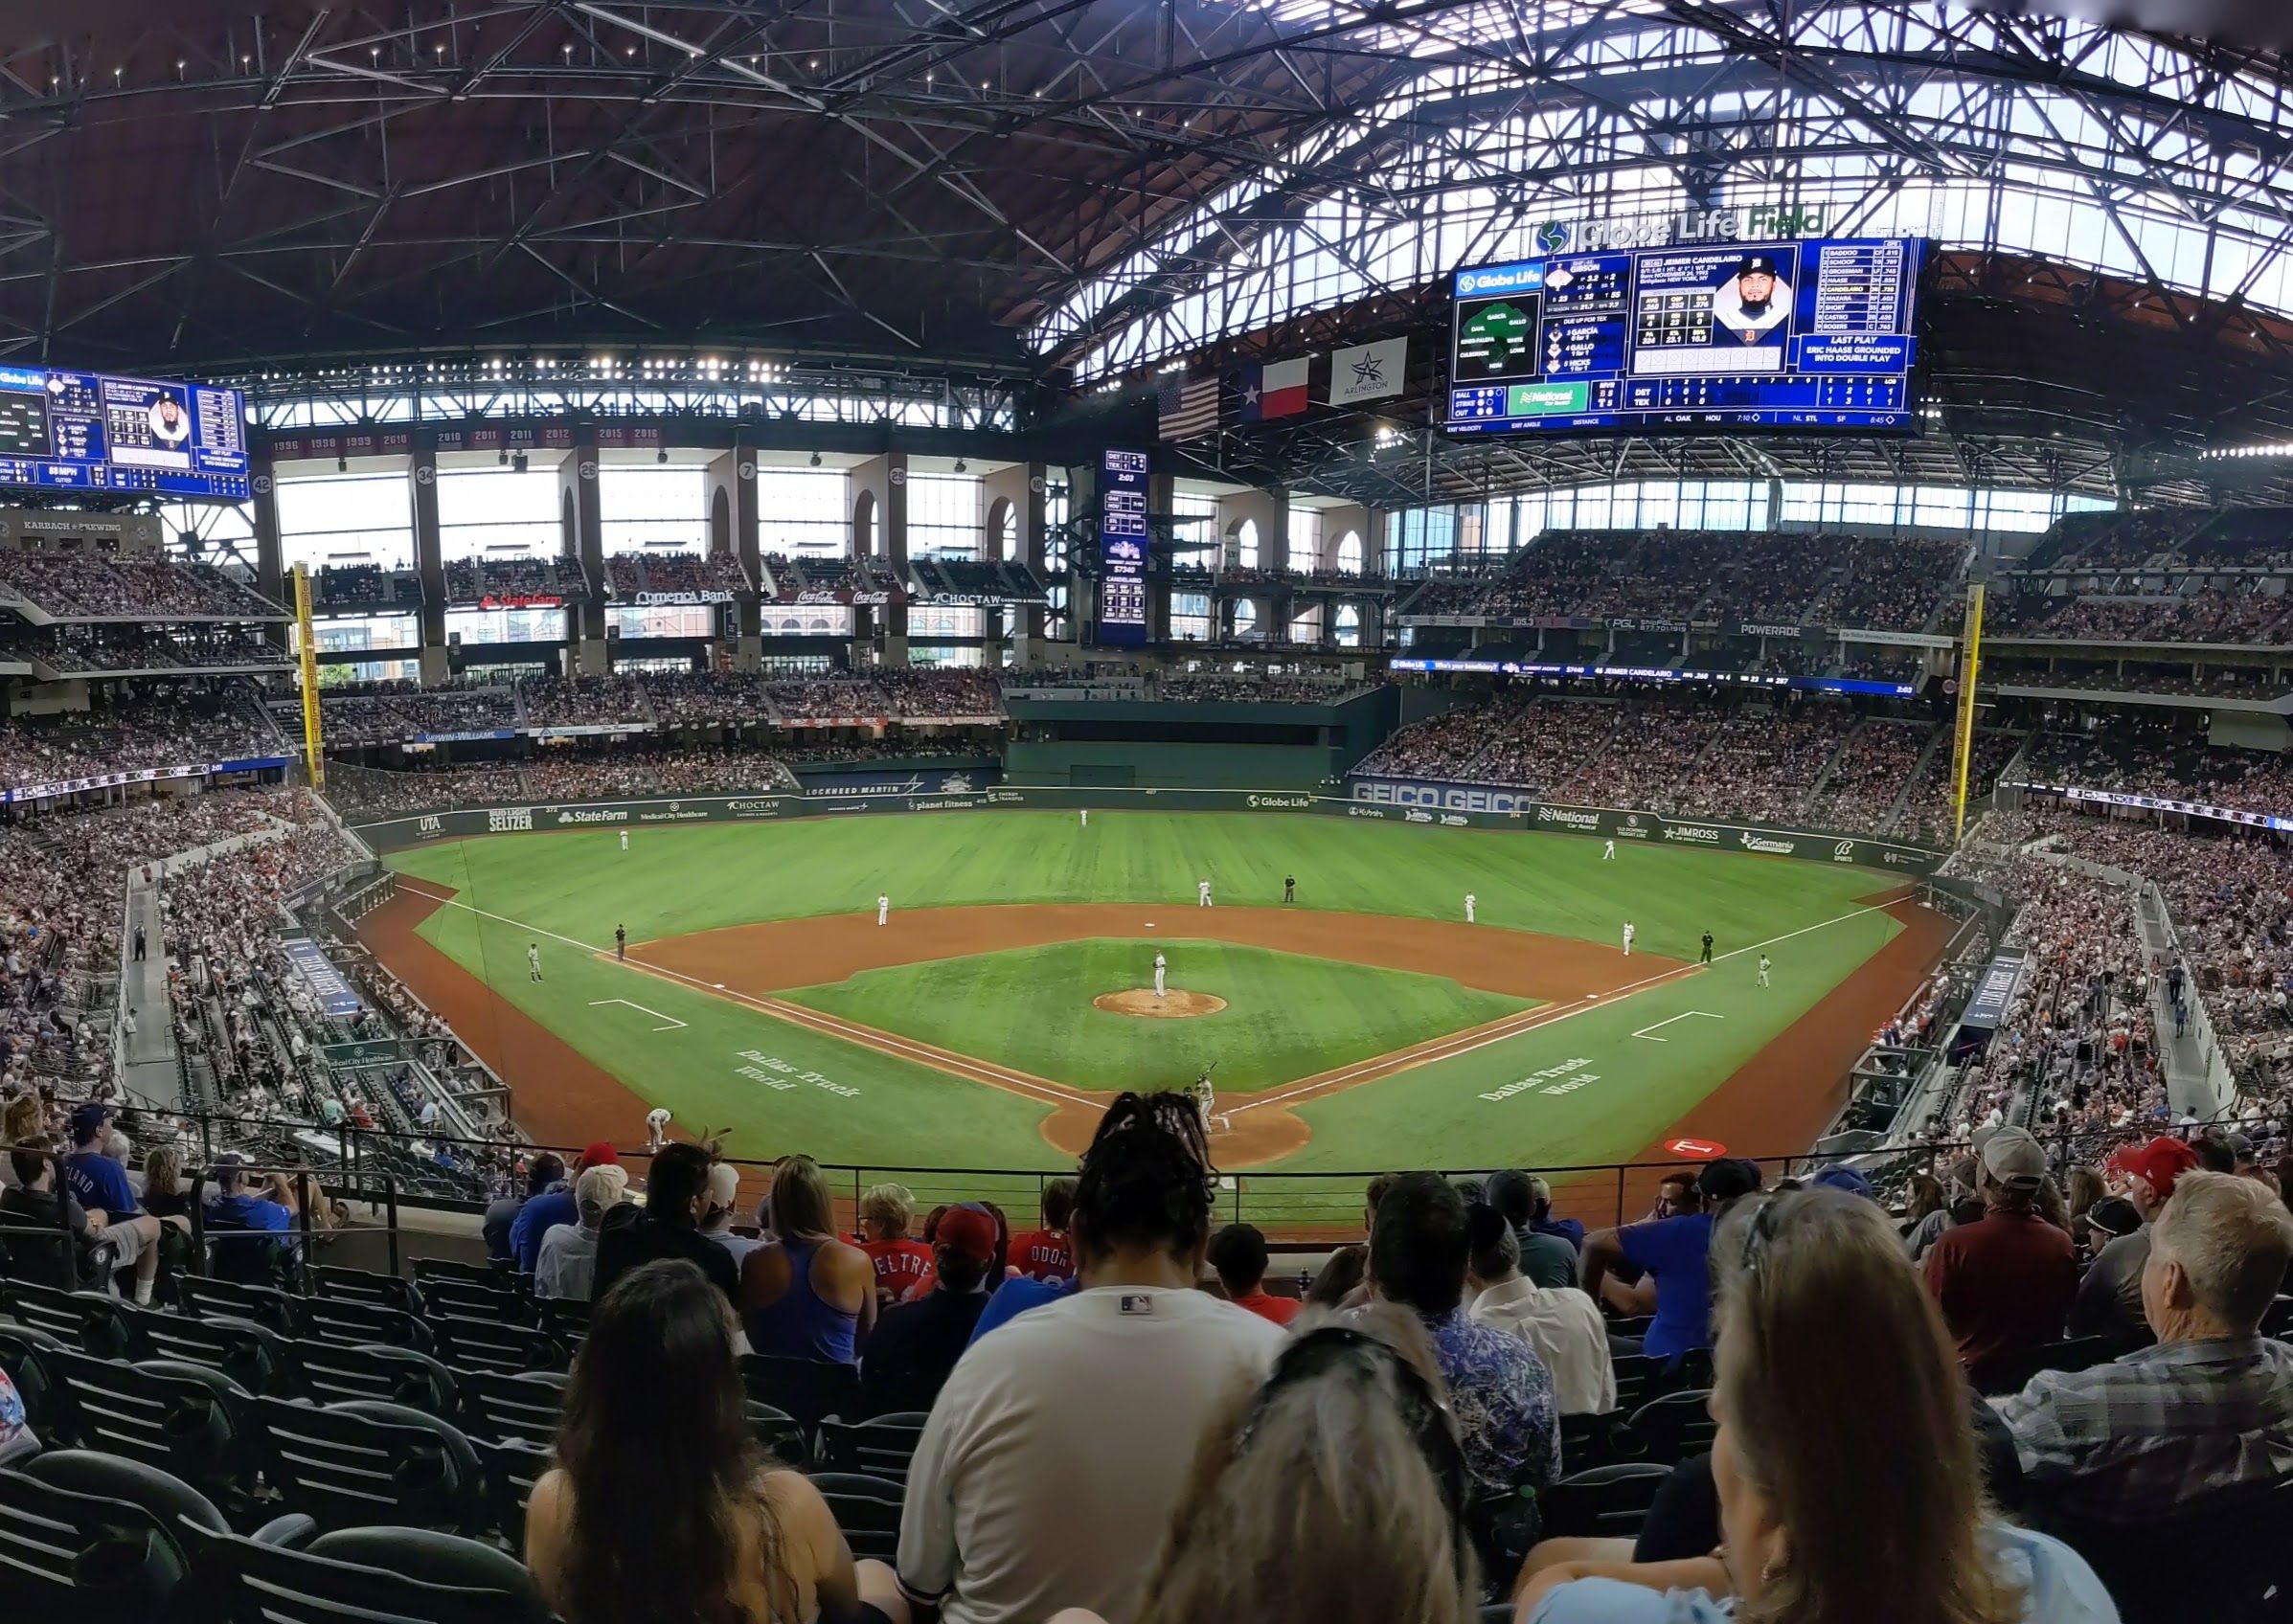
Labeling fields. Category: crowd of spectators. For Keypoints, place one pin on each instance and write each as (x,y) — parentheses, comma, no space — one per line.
(129,734)
(538,578)
(2162,758)
(649,772)
(628,574)
(386,713)
(344,586)
(590,701)
(956,692)
(825,701)
(1789,578)
(1467,1356)
(1671,753)
(125,586)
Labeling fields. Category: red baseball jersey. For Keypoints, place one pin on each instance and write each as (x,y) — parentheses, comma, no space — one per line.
(1043,1254)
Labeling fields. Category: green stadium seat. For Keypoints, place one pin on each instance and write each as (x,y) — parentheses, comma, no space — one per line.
(866,1509)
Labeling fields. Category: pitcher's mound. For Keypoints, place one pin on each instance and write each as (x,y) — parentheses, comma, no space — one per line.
(1176,1004)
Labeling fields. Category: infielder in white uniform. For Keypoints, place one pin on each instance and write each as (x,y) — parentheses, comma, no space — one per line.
(1608,851)
(1470,899)
(1202,893)
(883,907)
(532,961)
(1764,969)
(1627,938)
(1159,968)
(624,840)
(656,1127)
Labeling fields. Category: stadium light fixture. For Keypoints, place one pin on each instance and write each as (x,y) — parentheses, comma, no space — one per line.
(815,459)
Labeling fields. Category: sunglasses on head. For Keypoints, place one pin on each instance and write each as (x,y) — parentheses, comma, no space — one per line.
(1423,1410)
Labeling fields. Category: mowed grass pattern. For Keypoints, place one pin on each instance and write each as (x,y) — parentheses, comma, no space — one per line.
(676,880)
(672,881)
(1286,1015)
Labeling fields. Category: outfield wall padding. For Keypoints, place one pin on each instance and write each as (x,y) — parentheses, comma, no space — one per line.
(1520,812)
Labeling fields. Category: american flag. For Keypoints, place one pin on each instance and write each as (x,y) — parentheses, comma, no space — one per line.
(1185,408)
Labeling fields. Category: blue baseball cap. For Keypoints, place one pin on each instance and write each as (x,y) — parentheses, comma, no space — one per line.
(1839,1177)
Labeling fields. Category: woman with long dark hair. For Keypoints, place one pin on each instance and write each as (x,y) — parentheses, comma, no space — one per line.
(662,1508)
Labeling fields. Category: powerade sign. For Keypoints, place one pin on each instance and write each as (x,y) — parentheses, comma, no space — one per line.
(326,983)
(1123,549)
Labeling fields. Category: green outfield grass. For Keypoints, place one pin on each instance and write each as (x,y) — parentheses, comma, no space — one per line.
(1287,1016)
(786,1088)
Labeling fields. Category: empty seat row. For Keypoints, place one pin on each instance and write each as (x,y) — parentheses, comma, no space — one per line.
(110,1540)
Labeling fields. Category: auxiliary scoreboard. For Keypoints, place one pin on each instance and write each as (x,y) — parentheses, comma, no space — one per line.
(1814,333)
(87,431)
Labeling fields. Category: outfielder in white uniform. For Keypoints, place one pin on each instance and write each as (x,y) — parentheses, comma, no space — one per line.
(1202,893)
(1159,968)
(883,907)
(1085,814)
(1470,899)
(1608,851)
(656,1127)
(624,840)
(1627,938)
(532,961)
(1764,969)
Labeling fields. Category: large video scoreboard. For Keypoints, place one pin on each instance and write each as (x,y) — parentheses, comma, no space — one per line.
(83,431)
(1817,333)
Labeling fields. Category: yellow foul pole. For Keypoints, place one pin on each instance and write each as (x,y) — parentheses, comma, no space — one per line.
(314,760)
(1970,663)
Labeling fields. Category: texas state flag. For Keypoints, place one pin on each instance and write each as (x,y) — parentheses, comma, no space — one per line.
(1276,390)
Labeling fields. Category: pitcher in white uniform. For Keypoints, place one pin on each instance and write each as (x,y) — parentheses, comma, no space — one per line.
(1159,968)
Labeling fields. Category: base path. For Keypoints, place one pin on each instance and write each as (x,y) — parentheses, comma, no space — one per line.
(559,1095)
(782,954)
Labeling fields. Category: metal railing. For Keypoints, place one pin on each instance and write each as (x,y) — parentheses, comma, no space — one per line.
(376,1167)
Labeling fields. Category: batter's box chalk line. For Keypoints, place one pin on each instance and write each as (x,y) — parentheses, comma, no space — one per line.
(674,1022)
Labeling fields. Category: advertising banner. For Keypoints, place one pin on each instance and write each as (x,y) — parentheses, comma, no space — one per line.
(1395,801)
(317,972)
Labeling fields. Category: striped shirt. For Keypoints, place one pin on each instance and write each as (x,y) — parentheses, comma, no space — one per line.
(2141,1437)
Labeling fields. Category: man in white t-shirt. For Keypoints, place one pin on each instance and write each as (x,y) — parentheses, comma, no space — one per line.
(1030,1491)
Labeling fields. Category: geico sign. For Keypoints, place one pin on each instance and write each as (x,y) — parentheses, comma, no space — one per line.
(1455,798)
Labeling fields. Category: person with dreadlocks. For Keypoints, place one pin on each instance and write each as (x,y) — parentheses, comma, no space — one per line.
(1059,1444)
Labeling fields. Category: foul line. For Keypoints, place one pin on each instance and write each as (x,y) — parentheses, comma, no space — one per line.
(674,1022)
(796,1014)
(1684,1015)
(1369,1069)
(1502,1031)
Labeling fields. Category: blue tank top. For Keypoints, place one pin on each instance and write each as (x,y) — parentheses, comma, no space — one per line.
(801,1325)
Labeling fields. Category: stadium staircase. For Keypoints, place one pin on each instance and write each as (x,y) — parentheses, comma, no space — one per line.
(1911,781)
